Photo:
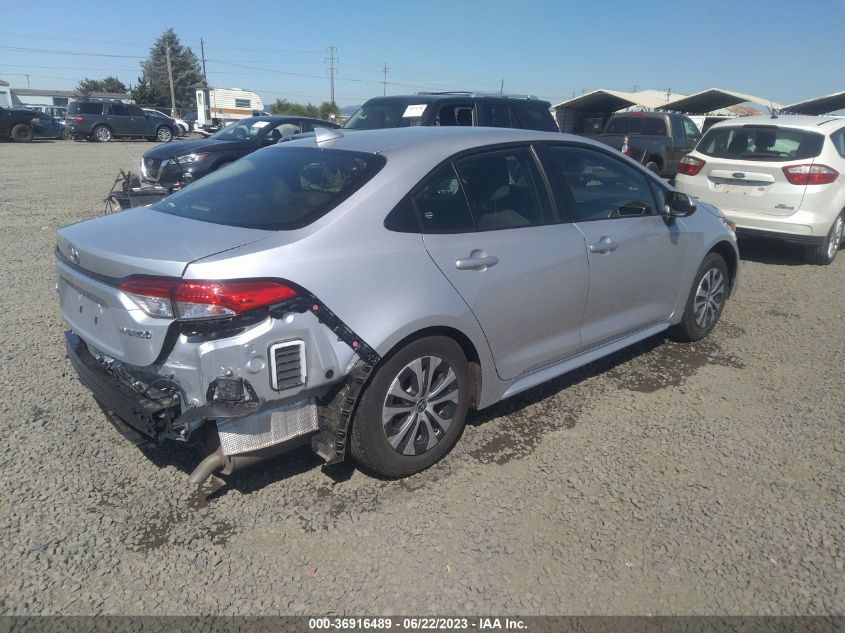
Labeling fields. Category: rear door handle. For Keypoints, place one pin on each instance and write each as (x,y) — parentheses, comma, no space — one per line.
(604,245)
(474,262)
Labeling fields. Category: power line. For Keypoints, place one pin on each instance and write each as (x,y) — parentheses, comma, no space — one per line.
(44,50)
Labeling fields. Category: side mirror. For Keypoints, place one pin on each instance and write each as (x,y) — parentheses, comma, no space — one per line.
(679,205)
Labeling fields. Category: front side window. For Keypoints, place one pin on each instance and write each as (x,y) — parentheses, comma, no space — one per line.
(761,143)
(118,109)
(531,117)
(281,189)
(242,130)
(505,190)
(600,187)
(455,114)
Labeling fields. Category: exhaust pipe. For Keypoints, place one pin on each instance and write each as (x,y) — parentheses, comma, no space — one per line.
(218,462)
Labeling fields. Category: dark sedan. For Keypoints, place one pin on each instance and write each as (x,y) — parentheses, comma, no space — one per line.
(186,161)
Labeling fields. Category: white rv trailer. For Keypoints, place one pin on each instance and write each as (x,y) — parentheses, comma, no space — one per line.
(218,106)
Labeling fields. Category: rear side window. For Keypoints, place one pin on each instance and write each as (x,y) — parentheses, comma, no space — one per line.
(618,125)
(492,114)
(838,140)
(761,143)
(505,190)
(654,127)
(118,109)
(442,205)
(279,189)
(86,108)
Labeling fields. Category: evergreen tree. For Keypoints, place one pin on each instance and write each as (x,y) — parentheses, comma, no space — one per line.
(147,95)
(185,65)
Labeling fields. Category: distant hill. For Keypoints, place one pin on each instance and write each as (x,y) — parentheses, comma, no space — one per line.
(349,110)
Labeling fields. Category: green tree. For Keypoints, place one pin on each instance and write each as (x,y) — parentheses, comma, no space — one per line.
(283,106)
(146,94)
(185,65)
(109,84)
(112,84)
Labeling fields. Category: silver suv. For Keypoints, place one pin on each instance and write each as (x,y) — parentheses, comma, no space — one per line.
(364,291)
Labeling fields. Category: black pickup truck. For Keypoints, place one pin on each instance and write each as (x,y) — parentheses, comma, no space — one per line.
(657,139)
(16,124)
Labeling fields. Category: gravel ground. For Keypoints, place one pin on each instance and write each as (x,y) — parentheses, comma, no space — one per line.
(667,479)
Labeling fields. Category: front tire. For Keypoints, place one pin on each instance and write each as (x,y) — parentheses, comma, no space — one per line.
(413,411)
(706,300)
(102,134)
(825,253)
(21,133)
(164,134)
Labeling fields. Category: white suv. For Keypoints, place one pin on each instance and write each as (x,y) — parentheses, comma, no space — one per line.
(774,177)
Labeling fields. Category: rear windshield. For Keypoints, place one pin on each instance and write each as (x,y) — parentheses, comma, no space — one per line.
(280,188)
(655,126)
(386,114)
(761,143)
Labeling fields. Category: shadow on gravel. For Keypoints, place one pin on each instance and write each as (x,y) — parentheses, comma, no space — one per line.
(764,251)
(648,366)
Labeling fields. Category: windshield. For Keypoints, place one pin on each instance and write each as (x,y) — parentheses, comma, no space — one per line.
(276,189)
(386,114)
(761,143)
(242,130)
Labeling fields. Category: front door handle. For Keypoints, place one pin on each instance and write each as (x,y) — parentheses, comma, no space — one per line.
(604,245)
(477,260)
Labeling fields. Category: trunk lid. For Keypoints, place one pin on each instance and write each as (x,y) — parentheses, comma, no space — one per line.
(96,253)
(143,241)
(753,187)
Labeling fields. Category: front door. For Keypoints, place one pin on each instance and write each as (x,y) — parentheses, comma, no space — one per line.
(523,275)
(636,256)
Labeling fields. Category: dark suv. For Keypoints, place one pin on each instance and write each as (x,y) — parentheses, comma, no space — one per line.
(454,108)
(105,120)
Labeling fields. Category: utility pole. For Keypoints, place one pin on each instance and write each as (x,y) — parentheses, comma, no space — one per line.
(332,58)
(27,81)
(384,92)
(202,53)
(170,77)
(502,87)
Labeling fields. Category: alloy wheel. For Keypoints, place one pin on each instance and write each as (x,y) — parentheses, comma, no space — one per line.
(420,405)
(709,297)
(164,135)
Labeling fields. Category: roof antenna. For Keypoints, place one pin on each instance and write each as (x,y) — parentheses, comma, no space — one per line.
(323,134)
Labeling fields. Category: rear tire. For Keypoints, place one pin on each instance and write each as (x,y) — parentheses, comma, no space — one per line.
(705,301)
(414,409)
(653,166)
(21,133)
(102,134)
(825,253)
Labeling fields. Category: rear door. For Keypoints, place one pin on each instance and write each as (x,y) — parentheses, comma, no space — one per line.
(118,119)
(490,227)
(636,258)
(744,167)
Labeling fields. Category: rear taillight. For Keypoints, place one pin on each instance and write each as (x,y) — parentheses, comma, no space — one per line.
(625,149)
(810,174)
(80,118)
(172,298)
(690,165)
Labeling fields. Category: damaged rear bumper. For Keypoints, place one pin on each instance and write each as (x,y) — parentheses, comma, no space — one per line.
(232,435)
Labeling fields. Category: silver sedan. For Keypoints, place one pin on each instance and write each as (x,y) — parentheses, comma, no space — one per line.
(361,292)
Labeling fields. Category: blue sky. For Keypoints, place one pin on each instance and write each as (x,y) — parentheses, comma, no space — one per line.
(778,49)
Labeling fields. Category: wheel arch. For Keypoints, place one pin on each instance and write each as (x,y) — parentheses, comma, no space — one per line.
(465,343)
(729,254)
